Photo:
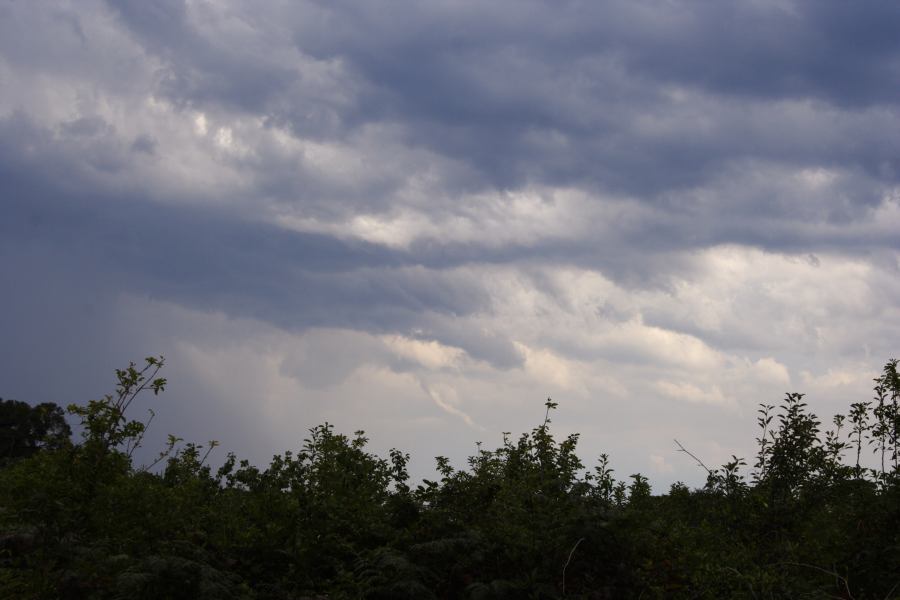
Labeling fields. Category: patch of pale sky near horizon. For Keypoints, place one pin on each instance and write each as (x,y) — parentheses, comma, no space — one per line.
(388,388)
(244,382)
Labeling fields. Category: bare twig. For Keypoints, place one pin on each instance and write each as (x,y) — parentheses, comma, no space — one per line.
(699,462)
(741,575)
(212,444)
(827,572)
(170,447)
(566,566)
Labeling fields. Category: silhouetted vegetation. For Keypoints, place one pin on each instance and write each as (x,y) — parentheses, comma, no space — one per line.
(26,429)
(78,519)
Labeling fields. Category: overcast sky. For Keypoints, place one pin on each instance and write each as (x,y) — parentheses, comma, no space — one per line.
(422,219)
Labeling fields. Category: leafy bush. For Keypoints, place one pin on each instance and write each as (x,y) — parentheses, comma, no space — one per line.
(526,520)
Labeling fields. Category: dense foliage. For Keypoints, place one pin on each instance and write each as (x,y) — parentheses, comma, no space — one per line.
(78,519)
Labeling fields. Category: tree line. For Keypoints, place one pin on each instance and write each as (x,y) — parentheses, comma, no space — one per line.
(816,514)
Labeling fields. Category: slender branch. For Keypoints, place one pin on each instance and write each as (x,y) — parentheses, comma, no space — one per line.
(827,572)
(145,381)
(212,444)
(173,441)
(566,566)
(689,453)
(741,575)
(137,443)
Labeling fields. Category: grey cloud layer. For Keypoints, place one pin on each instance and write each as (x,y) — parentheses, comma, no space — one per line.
(561,93)
(704,112)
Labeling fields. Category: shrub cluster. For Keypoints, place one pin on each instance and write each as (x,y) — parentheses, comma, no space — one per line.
(78,519)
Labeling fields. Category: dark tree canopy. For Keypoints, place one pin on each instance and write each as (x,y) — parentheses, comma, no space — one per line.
(25,429)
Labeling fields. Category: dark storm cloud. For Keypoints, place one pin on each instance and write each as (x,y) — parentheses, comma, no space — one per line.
(199,70)
(832,51)
(554,93)
(490,85)
(204,258)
